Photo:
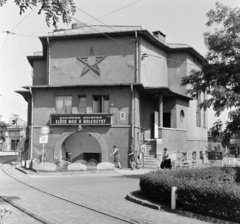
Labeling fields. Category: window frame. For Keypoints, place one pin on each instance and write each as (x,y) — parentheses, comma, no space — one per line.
(100,104)
(65,111)
(81,96)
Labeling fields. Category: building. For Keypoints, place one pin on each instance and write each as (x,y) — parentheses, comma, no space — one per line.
(98,86)
(15,132)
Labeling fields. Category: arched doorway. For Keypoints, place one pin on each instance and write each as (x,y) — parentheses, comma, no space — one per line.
(83,146)
(59,148)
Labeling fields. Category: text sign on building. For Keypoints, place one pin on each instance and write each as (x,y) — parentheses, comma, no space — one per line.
(80,119)
(122,116)
(43,139)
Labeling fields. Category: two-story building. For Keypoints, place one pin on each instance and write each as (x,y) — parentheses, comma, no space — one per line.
(98,86)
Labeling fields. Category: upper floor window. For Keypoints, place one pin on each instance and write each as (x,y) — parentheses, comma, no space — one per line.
(204,112)
(101,104)
(82,104)
(64,104)
(198,112)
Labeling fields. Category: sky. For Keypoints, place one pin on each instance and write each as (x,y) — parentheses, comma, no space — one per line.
(182,21)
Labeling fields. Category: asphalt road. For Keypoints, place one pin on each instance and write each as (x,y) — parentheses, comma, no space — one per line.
(104,197)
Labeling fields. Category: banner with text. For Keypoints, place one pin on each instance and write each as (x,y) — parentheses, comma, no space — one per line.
(80,119)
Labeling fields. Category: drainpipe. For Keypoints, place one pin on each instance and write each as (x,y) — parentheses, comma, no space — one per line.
(136,58)
(133,114)
(31,154)
(48,69)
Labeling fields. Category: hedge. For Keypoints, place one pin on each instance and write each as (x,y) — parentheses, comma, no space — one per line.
(207,191)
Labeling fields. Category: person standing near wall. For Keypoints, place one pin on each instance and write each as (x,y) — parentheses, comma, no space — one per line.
(132,159)
(166,161)
(141,154)
(116,155)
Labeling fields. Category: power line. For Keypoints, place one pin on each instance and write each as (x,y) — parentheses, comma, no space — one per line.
(13,105)
(13,101)
(167,59)
(25,18)
(4,44)
(101,22)
(19,60)
(115,11)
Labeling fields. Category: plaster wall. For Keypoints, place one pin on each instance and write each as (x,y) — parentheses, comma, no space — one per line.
(153,69)
(119,134)
(182,122)
(40,69)
(177,68)
(117,64)
(44,102)
(196,132)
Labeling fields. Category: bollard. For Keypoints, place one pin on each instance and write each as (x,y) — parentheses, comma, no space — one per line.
(222,163)
(173,198)
(229,162)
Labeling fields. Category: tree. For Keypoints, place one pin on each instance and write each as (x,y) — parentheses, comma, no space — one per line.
(216,129)
(54,9)
(220,75)
(3,129)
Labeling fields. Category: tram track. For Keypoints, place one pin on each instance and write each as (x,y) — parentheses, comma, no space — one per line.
(92,208)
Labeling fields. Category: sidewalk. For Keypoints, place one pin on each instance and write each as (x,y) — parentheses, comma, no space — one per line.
(8,153)
(115,172)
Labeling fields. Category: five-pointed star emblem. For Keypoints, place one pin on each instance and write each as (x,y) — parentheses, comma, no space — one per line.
(91,62)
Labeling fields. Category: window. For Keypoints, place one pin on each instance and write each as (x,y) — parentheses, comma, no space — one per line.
(198,112)
(101,104)
(204,111)
(63,104)
(182,115)
(82,104)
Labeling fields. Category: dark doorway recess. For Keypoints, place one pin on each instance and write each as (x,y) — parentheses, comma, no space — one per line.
(167,120)
(88,156)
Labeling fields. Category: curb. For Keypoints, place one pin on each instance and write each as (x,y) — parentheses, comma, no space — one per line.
(149,204)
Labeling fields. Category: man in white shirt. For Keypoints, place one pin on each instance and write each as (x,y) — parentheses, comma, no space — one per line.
(141,153)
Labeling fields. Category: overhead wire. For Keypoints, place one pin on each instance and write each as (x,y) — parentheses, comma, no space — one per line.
(13,101)
(104,34)
(24,18)
(3,45)
(13,105)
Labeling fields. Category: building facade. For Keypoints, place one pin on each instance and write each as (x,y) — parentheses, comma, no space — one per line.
(103,86)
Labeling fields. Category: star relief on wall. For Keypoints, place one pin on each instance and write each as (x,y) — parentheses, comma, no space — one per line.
(90,63)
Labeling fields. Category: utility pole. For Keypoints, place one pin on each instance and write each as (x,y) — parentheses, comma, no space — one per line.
(16,119)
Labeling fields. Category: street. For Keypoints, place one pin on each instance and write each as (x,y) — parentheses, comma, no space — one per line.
(81,199)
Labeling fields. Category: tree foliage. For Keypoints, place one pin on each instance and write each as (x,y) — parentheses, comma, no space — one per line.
(220,76)
(53,9)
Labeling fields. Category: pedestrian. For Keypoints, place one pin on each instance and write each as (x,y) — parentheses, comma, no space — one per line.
(236,152)
(132,159)
(116,155)
(166,161)
(141,154)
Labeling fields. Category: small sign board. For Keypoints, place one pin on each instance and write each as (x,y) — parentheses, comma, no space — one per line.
(43,139)
(45,130)
(215,155)
(122,116)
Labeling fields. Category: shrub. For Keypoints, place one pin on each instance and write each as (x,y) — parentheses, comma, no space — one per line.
(221,201)
(209,191)
(212,174)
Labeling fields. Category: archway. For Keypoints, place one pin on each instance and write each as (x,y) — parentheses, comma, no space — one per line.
(58,148)
(83,146)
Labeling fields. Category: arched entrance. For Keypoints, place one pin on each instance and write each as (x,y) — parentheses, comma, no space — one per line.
(83,146)
(59,148)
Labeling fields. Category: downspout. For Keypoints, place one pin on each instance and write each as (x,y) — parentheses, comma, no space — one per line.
(133,115)
(136,58)
(48,69)
(31,154)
